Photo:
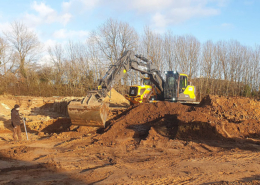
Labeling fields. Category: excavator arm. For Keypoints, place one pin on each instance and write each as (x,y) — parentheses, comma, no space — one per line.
(128,61)
(92,110)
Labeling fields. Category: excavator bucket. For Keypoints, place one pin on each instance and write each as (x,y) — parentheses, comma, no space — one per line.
(88,112)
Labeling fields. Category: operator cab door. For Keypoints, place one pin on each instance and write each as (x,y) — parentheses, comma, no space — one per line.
(183,83)
(186,91)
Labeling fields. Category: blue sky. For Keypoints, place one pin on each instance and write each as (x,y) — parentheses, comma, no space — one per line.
(60,20)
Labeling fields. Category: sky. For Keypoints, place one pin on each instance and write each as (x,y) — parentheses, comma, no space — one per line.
(57,21)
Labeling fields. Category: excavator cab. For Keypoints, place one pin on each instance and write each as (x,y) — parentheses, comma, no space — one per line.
(171,86)
(176,88)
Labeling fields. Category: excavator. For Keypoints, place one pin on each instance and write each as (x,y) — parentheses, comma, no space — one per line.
(147,92)
(93,111)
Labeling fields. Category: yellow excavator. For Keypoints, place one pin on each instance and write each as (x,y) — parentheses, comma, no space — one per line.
(93,111)
(147,92)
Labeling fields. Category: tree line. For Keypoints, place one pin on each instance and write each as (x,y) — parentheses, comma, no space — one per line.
(220,68)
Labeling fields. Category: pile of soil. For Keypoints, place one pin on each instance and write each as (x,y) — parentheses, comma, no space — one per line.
(215,117)
(116,99)
(239,116)
(6,104)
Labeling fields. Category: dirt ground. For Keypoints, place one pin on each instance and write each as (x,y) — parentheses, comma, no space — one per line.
(215,142)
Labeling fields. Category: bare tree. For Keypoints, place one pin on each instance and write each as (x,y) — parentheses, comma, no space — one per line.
(113,38)
(256,66)
(25,43)
(187,51)
(169,53)
(57,58)
(152,47)
(95,59)
(6,56)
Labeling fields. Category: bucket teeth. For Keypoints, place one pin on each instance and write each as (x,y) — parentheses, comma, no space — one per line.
(88,112)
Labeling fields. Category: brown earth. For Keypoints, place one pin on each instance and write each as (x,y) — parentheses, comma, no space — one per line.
(116,99)
(216,142)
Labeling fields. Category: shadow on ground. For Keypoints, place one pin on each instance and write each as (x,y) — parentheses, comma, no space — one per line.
(21,172)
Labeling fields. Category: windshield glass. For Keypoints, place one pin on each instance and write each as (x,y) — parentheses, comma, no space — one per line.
(146,82)
(170,80)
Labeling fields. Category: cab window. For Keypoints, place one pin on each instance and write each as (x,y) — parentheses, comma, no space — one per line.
(183,83)
(146,82)
(171,80)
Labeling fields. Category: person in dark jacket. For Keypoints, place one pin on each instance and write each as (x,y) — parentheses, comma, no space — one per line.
(16,122)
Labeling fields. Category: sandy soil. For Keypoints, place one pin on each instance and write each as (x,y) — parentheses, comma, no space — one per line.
(216,142)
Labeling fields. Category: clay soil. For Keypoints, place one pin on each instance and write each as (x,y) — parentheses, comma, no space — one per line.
(215,142)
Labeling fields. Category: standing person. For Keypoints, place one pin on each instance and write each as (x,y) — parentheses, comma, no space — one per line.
(16,122)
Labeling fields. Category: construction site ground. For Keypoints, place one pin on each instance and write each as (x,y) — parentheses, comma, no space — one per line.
(215,142)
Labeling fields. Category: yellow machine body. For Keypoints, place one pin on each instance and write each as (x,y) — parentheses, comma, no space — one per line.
(140,93)
(186,91)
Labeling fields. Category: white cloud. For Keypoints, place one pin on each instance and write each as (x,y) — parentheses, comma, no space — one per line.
(151,5)
(45,60)
(79,5)
(66,5)
(50,43)
(70,34)
(160,12)
(165,12)
(65,18)
(43,9)
(159,20)
(45,14)
(5,27)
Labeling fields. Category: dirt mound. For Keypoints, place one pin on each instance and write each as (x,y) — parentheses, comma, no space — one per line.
(239,116)
(215,118)
(6,104)
(137,120)
(116,99)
